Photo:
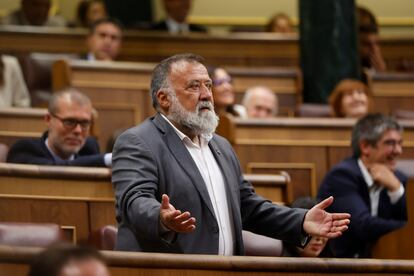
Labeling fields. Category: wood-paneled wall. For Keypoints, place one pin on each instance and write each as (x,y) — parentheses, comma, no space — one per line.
(399,243)
(247,49)
(15,261)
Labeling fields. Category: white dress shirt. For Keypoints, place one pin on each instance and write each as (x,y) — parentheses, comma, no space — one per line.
(177,28)
(375,190)
(213,178)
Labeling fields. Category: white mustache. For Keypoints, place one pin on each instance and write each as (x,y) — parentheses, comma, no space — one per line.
(204,104)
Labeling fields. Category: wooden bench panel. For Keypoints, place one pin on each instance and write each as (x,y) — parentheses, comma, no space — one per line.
(258,49)
(391,90)
(275,187)
(10,137)
(15,261)
(82,198)
(303,176)
(68,213)
(21,123)
(31,193)
(399,243)
(22,119)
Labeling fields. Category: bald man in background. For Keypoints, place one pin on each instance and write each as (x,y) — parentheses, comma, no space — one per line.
(260,102)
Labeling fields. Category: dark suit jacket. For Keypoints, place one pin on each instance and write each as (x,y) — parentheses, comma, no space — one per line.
(162,26)
(34,151)
(346,183)
(150,160)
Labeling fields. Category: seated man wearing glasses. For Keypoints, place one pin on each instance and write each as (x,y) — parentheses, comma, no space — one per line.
(66,141)
(368,186)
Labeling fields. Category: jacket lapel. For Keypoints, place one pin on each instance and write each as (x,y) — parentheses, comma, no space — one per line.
(232,194)
(184,158)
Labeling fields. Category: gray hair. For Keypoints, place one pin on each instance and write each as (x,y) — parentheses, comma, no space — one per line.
(159,78)
(72,93)
(371,128)
(252,90)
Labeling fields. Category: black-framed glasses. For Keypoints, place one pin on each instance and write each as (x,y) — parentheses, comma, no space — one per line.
(72,123)
(217,82)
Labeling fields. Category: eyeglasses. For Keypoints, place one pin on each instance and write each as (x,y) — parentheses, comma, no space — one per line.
(217,82)
(71,123)
(393,143)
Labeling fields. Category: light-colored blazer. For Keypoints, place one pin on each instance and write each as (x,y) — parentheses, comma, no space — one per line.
(150,160)
(13,91)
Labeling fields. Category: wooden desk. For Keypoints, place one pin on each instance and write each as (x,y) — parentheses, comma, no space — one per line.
(18,123)
(22,119)
(260,49)
(304,147)
(246,49)
(120,90)
(391,90)
(82,198)
(399,244)
(15,261)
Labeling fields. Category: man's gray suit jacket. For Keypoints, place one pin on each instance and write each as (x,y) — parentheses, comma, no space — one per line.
(150,160)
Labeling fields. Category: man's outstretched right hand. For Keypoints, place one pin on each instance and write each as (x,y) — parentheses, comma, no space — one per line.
(174,219)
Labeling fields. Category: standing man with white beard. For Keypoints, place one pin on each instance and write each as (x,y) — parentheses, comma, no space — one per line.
(179,187)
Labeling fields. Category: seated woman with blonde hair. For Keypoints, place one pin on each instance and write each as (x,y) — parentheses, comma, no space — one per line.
(350,99)
(13,89)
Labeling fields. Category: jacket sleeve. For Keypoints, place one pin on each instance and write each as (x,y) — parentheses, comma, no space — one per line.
(135,178)
(342,184)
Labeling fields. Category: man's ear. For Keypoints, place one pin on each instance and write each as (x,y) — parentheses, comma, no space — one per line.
(47,119)
(163,99)
(365,147)
(89,42)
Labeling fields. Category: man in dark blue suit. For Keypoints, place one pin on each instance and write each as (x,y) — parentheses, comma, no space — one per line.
(176,19)
(66,142)
(368,187)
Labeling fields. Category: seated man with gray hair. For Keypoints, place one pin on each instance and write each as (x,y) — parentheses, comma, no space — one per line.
(368,186)
(260,102)
(67,141)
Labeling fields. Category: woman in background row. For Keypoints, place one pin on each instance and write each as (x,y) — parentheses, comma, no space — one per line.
(280,23)
(223,94)
(350,99)
(13,90)
(89,11)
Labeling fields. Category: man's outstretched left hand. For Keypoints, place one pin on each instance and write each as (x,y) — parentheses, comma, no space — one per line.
(318,222)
